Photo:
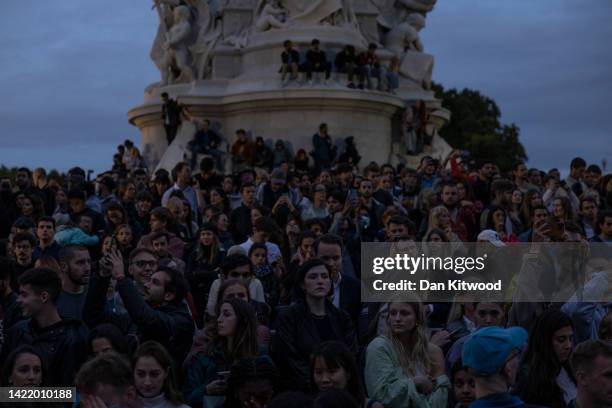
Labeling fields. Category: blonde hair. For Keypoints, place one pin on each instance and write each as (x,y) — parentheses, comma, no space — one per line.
(413,355)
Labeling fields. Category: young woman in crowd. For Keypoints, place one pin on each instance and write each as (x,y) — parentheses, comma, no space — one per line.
(182,221)
(402,367)
(313,319)
(546,377)
(154,377)
(23,368)
(533,198)
(125,240)
(516,205)
(127,195)
(236,340)
(333,366)
(496,221)
(562,209)
(203,265)
(221,221)
(217,197)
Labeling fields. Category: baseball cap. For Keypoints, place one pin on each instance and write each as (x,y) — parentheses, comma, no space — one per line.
(488,348)
(278,176)
(492,237)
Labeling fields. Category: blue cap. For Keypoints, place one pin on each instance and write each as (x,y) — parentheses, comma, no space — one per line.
(488,348)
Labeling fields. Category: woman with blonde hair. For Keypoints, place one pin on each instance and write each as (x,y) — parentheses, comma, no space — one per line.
(403,368)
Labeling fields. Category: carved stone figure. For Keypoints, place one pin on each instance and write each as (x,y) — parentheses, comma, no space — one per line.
(269,14)
(209,34)
(394,12)
(176,66)
(310,12)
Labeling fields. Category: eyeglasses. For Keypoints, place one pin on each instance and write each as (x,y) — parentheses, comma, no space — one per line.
(143,263)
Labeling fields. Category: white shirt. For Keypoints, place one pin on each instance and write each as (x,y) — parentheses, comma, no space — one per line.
(274,252)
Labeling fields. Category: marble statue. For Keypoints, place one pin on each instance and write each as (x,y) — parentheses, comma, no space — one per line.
(393,12)
(209,33)
(269,14)
(311,12)
(176,65)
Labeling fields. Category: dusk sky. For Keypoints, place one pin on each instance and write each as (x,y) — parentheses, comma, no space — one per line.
(70,71)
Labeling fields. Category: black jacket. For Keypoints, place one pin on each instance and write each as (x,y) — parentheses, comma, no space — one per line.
(350,297)
(240,223)
(297,337)
(62,346)
(171,110)
(170,325)
(295,57)
(11,312)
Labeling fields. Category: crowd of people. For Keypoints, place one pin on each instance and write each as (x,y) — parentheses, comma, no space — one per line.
(243,289)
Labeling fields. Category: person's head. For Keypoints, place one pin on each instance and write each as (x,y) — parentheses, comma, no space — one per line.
(372,47)
(164,96)
(287,44)
(237,266)
(159,244)
(109,377)
(161,218)
(496,218)
(314,44)
(502,190)
(588,208)
(167,286)
(175,205)
(328,248)
(534,176)
(604,224)
(449,194)
(591,364)
(263,228)
(335,201)
(154,372)
(333,365)
(75,264)
(592,175)
(517,198)
(519,171)
(323,129)
(45,229)
(492,356)
(23,177)
(231,289)
(39,289)
(306,243)
(181,173)
(399,226)
(85,223)
(207,235)
(538,214)
(142,265)
(258,254)
(577,167)
(116,214)
(407,330)
(550,341)
(605,328)
(247,194)
(464,386)
(23,368)
(278,179)
(23,245)
(236,325)
(106,338)
(123,234)
(489,314)
(485,169)
(313,280)
(251,381)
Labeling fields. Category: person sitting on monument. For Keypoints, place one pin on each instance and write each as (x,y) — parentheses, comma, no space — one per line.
(370,67)
(242,151)
(316,61)
(392,74)
(205,141)
(291,61)
(347,62)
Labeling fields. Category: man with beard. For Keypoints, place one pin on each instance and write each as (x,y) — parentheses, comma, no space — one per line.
(462,218)
(520,175)
(75,265)
(371,222)
(142,212)
(76,201)
(23,245)
(61,343)
(482,184)
(160,314)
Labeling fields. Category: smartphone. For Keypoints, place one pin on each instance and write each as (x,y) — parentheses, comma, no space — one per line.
(557,229)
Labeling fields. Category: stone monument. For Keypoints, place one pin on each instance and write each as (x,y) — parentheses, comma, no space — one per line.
(221,59)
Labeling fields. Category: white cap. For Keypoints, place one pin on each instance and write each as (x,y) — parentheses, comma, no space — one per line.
(492,237)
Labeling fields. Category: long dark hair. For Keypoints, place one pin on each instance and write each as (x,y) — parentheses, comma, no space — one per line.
(245,371)
(337,355)
(540,384)
(245,344)
(11,359)
(301,275)
(160,354)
